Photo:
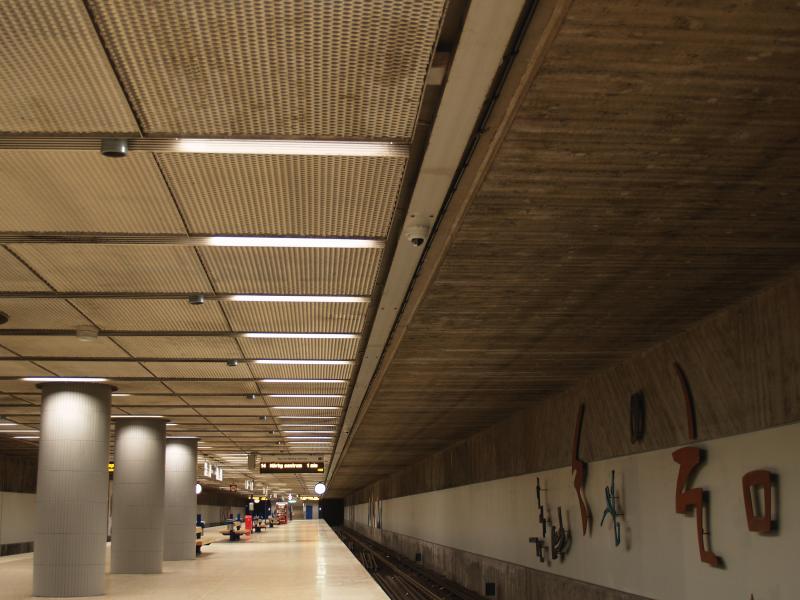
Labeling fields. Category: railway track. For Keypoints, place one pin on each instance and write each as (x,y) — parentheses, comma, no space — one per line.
(399,577)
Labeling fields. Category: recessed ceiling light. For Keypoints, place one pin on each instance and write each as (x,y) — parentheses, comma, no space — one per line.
(304,407)
(275,298)
(303,336)
(309,437)
(66,379)
(303,380)
(306,396)
(26,437)
(18,431)
(116,395)
(292,242)
(312,431)
(291,147)
(172,424)
(314,443)
(269,361)
(306,417)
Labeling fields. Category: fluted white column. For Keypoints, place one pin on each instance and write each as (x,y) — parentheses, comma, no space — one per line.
(180,498)
(137,497)
(72,490)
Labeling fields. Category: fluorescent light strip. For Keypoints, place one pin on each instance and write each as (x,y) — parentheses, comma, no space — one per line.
(17,431)
(307,417)
(306,396)
(26,437)
(309,437)
(9,424)
(120,395)
(304,407)
(312,443)
(269,361)
(275,298)
(65,379)
(291,147)
(303,380)
(303,336)
(291,242)
(312,431)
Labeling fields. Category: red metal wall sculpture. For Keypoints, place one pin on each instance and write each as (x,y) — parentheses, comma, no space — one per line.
(689,459)
(750,483)
(579,473)
(688,400)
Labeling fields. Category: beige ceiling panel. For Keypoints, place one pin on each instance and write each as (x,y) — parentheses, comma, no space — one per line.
(134,400)
(16,277)
(61,345)
(122,268)
(20,368)
(238,400)
(332,414)
(302,371)
(199,370)
(56,77)
(141,387)
(62,191)
(319,317)
(351,69)
(3,351)
(164,412)
(213,387)
(303,388)
(152,315)
(305,401)
(14,386)
(231,412)
(27,409)
(179,346)
(332,271)
(285,195)
(94,368)
(40,313)
(343,349)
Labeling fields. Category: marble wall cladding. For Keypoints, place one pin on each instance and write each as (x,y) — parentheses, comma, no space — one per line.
(72,501)
(137,504)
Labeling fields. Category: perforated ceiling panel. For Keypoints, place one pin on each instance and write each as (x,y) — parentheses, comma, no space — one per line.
(62,81)
(344,317)
(16,277)
(302,371)
(96,268)
(336,271)
(187,370)
(290,348)
(213,387)
(152,315)
(60,345)
(20,368)
(68,368)
(285,195)
(317,68)
(56,190)
(182,346)
(303,388)
(40,313)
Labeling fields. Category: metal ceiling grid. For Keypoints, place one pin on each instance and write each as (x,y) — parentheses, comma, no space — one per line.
(16,277)
(40,313)
(281,68)
(63,191)
(179,346)
(62,81)
(331,271)
(297,317)
(110,268)
(285,195)
(343,349)
(150,315)
(61,345)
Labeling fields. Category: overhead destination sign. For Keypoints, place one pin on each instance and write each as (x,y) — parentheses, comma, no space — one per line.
(292,467)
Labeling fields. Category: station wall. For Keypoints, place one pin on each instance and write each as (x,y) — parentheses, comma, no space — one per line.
(743,367)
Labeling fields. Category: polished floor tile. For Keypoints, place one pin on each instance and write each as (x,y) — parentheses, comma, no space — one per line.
(303,559)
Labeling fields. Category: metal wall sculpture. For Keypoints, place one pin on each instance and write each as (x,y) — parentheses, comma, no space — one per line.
(689,459)
(688,399)
(560,538)
(637,417)
(579,469)
(751,483)
(612,510)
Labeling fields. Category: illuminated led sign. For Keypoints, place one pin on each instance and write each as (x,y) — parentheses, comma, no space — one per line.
(292,467)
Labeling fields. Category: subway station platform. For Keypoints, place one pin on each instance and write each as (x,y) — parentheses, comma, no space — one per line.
(304,559)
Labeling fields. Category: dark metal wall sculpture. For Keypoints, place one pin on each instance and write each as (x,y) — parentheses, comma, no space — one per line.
(579,473)
(637,417)
(560,538)
(688,400)
(612,510)
(751,483)
(689,459)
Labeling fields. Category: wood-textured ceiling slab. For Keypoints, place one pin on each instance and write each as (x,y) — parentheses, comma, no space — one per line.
(649,179)
(179,346)
(122,268)
(40,313)
(331,271)
(152,315)
(297,317)
(56,77)
(285,195)
(282,68)
(62,191)
(61,345)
